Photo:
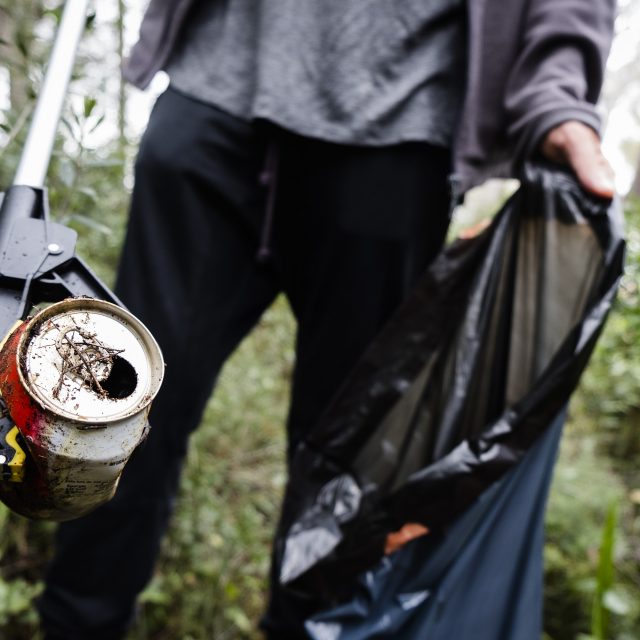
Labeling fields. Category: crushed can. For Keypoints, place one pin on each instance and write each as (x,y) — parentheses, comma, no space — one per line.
(77,381)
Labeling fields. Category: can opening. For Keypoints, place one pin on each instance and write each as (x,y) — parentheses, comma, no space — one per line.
(121,381)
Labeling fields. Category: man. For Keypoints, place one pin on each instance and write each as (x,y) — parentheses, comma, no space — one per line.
(353,114)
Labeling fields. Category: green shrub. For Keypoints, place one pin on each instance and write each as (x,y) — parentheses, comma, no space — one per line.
(599,466)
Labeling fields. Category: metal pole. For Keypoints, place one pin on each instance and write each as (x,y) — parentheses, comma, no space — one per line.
(34,162)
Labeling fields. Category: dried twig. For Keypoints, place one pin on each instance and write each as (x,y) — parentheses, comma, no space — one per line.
(90,351)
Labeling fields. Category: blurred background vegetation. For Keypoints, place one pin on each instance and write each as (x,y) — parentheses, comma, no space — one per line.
(211,580)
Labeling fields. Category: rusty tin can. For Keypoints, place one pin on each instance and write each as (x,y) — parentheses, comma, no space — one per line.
(78,380)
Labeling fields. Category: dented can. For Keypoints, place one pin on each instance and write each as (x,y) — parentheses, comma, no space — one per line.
(77,380)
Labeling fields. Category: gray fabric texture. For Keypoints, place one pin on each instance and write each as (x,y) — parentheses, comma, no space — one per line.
(364,72)
(531,64)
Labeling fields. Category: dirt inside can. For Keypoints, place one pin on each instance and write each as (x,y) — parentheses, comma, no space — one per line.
(87,360)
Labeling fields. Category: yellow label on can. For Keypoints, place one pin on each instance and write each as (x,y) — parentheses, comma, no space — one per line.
(16,464)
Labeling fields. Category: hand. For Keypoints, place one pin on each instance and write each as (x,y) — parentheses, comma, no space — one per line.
(578,145)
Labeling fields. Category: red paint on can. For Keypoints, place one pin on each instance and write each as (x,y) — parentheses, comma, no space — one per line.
(31,496)
(22,408)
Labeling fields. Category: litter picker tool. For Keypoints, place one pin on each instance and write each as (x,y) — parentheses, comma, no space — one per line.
(78,377)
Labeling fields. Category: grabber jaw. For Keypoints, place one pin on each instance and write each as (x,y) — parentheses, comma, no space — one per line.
(38,261)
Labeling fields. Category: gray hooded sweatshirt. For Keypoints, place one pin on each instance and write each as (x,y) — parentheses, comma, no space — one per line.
(531,65)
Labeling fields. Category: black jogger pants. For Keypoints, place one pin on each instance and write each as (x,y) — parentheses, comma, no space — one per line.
(351,230)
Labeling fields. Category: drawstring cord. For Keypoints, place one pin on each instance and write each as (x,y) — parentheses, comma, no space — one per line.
(269,180)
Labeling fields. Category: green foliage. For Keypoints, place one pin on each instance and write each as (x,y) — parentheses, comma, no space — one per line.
(24,550)
(606,600)
(599,466)
(573,526)
(611,386)
(85,183)
(16,599)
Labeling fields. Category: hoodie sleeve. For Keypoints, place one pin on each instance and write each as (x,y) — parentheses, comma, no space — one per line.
(558,72)
(159,33)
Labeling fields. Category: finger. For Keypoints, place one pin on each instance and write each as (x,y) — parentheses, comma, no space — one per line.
(584,155)
(578,145)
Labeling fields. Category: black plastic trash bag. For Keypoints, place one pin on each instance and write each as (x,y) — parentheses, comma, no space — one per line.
(476,367)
